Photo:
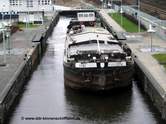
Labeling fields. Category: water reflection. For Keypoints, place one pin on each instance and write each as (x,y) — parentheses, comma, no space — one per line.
(97,108)
(125,107)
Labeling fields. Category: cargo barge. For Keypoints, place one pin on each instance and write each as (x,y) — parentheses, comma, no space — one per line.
(95,60)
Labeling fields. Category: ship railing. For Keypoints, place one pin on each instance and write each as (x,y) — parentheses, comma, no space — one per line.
(81,33)
(74,43)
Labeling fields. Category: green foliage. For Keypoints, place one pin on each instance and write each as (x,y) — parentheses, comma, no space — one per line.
(128,25)
(165,66)
(161,58)
(23,25)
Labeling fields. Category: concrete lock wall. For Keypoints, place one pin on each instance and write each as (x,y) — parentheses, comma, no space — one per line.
(158,99)
(149,84)
(12,91)
(49,29)
(17,82)
(24,71)
(1,37)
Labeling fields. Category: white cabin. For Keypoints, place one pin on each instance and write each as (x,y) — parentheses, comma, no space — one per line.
(86,16)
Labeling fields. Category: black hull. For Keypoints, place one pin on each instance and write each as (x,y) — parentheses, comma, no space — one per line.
(98,79)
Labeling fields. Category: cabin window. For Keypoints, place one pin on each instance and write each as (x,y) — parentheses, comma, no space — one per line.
(101,41)
(93,41)
(91,15)
(81,15)
(85,15)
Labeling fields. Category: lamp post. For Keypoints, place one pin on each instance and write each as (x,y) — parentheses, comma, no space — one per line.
(43,15)
(138,14)
(8,35)
(3,12)
(121,12)
(151,31)
(26,23)
(109,5)
(139,23)
(27,17)
(10,16)
(157,23)
(11,13)
(2,30)
(102,3)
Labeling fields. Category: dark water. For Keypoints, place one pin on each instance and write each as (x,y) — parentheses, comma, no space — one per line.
(45,99)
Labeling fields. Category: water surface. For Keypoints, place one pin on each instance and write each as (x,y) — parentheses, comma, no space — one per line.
(46,101)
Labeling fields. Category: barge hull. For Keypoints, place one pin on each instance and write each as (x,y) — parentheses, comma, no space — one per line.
(98,79)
